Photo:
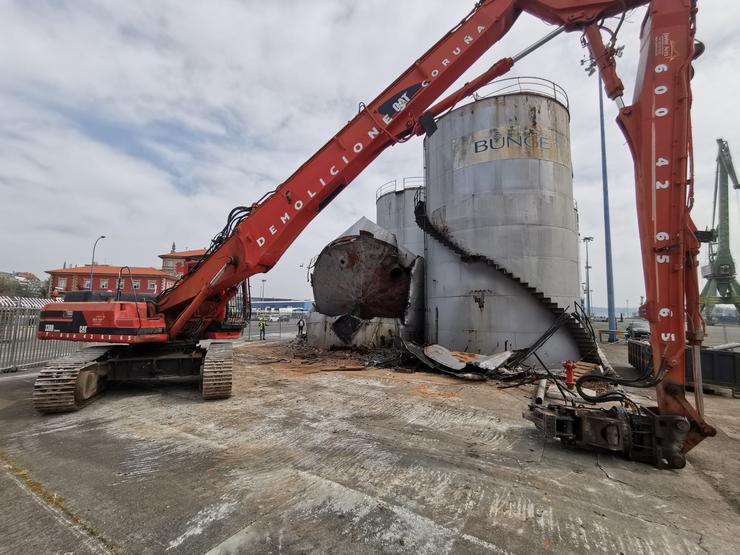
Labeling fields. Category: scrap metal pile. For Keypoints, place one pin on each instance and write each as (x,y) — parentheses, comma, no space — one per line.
(565,400)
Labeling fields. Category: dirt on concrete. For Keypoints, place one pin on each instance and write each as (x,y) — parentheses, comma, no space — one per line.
(320,454)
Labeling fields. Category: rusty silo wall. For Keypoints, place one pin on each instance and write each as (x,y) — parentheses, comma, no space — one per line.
(499,184)
(394,207)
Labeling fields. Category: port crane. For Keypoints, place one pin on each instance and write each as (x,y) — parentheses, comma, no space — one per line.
(161,337)
(721,286)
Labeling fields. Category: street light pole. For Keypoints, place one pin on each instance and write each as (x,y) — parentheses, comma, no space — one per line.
(586,241)
(607,224)
(263,291)
(583,296)
(92,262)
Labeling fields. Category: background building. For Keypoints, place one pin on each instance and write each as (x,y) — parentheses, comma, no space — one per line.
(142,279)
(24,284)
(174,262)
(296,305)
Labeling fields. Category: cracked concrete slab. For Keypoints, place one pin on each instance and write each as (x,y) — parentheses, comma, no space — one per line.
(374,461)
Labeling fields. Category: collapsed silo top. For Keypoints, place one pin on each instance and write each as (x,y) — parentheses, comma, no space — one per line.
(363,273)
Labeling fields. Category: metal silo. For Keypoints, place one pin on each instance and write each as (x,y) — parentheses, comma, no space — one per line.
(502,246)
(394,206)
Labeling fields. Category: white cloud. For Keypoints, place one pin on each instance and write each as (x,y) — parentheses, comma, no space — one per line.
(148,121)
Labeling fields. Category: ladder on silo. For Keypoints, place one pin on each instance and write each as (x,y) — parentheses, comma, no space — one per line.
(578,326)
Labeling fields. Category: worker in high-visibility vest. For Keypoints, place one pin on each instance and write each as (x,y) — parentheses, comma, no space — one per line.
(262,325)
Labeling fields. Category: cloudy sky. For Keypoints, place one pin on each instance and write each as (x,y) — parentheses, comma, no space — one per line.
(148,121)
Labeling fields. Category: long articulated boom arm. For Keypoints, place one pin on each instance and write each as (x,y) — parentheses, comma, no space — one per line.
(725,176)
(392,117)
(725,159)
(657,127)
(277,221)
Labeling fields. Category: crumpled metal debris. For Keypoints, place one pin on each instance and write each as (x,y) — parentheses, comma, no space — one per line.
(418,352)
(443,356)
(494,361)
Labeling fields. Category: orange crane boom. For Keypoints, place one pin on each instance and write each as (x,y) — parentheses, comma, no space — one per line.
(657,126)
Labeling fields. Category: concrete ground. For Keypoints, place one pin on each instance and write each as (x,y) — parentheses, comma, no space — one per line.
(317,456)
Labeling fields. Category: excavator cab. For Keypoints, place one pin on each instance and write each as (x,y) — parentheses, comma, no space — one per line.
(234,316)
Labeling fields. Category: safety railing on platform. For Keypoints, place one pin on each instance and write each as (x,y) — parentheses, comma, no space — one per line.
(398,185)
(524,84)
(19,347)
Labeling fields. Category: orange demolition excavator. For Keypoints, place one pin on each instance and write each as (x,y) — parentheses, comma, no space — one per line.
(160,337)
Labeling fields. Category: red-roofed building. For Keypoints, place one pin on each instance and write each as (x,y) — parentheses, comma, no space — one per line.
(141,279)
(175,262)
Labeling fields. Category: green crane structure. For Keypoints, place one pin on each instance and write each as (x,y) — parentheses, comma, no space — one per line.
(721,286)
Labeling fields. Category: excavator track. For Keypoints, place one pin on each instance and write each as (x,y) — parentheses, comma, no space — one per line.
(69,383)
(216,372)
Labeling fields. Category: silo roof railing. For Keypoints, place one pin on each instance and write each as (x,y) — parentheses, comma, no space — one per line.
(525,84)
(397,186)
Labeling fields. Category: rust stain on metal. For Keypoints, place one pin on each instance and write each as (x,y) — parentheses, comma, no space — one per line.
(467,358)
(443,356)
(479,296)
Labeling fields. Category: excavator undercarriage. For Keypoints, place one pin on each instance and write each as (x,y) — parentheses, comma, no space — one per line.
(69,383)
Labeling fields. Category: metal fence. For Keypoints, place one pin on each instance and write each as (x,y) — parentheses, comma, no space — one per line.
(19,347)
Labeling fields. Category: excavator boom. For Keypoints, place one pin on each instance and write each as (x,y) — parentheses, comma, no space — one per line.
(656,124)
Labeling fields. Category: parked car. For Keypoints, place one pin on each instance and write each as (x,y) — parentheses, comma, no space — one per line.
(638,329)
